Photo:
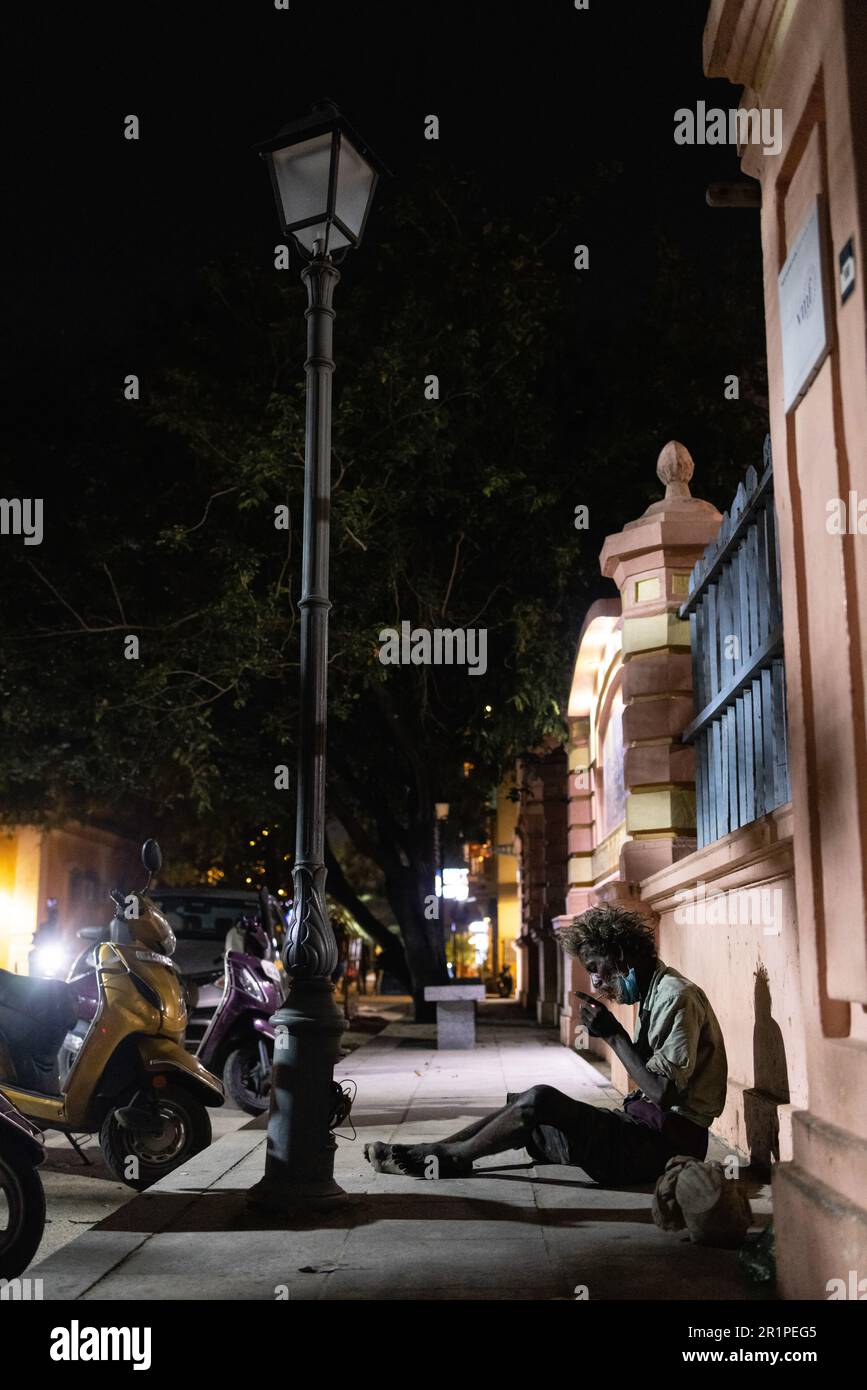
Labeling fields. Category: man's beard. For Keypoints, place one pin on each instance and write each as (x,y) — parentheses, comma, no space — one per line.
(609,991)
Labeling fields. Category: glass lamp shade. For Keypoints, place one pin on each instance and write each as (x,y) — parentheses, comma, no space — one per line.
(323,183)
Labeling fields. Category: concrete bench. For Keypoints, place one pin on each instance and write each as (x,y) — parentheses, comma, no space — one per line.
(456,1013)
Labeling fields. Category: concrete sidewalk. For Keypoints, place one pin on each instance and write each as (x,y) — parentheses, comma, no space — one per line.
(512,1231)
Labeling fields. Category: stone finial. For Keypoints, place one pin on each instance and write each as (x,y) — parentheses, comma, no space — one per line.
(675,467)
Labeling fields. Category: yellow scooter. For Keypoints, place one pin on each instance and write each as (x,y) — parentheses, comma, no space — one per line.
(133,1081)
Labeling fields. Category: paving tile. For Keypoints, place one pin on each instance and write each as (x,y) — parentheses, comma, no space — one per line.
(276,1255)
(208,1286)
(446,1229)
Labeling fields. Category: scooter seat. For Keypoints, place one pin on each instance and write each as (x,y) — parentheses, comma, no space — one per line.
(35,1016)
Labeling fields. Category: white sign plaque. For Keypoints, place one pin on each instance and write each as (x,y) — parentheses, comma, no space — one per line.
(803,313)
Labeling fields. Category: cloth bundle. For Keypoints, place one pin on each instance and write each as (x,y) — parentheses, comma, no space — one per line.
(700,1198)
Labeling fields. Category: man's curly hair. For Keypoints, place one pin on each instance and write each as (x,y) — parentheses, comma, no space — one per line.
(613,932)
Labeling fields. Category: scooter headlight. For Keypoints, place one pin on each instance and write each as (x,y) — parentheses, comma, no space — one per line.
(248,982)
(50,961)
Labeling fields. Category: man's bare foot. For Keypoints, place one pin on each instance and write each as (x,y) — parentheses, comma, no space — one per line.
(416,1160)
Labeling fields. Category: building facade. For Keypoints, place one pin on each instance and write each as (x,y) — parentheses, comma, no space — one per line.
(809,63)
(732,674)
(76,865)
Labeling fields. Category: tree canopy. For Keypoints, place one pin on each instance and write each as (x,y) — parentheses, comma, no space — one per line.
(453,508)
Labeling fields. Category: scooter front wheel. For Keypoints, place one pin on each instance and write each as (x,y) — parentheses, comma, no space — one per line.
(142,1159)
(245,1079)
(22,1215)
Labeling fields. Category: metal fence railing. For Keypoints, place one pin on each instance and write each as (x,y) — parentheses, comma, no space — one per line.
(739,686)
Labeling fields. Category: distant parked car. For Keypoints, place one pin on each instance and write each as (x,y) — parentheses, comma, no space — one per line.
(201,919)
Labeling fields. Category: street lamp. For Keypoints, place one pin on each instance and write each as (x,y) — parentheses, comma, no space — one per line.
(323,177)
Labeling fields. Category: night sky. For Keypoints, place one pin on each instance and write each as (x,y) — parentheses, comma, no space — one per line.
(104,236)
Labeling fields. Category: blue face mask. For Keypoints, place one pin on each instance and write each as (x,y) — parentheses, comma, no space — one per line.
(628,992)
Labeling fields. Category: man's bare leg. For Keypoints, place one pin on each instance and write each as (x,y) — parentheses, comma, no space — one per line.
(470,1130)
(502,1129)
(507,1128)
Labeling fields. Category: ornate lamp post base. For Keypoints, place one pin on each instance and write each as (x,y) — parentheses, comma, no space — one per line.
(301,1147)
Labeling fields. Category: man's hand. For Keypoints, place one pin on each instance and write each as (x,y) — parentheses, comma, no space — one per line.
(602,1024)
(597,1019)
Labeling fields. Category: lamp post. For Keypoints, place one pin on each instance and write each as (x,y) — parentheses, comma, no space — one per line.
(323,178)
(441,809)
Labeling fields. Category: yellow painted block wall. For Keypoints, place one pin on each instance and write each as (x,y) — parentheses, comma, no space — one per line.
(508,906)
(20,863)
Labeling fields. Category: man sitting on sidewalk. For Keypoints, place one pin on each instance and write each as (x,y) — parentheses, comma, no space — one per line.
(678,1060)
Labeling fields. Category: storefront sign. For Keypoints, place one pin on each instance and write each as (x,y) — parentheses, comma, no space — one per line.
(803,314)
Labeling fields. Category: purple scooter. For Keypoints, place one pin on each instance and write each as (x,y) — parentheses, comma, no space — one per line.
(238,1039)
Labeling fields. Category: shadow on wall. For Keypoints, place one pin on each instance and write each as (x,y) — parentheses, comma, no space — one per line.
(770,1087)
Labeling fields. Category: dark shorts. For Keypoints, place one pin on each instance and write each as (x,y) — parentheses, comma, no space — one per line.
(619,1148)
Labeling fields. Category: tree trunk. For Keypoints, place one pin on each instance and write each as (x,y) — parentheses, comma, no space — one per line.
(422,936)
(393,958)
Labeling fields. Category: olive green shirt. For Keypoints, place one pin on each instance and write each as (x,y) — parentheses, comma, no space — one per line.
(677,1036)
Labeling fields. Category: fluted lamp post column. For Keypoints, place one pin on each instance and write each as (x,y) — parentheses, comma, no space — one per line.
(323,177)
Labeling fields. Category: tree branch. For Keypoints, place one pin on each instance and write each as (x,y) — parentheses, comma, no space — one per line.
(452,575)
(114,591)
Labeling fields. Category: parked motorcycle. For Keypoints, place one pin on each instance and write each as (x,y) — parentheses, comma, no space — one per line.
(228,1009)
(22,1198)
(131,1079)
(239,1039)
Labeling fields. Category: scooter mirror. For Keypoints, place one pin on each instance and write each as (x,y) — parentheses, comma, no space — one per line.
(151,856)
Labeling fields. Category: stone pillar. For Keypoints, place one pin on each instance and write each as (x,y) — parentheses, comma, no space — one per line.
(532,888)
(595,674)
(579,830)
(548,1003)
(529,984)
(542,834)
(579,864)
(650,562)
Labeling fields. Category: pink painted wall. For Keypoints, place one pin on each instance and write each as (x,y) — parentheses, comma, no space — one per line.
(810,61)
(728,922)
